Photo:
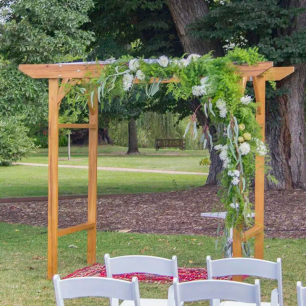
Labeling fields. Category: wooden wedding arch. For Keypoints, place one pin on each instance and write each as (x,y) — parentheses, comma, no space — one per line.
(61,75)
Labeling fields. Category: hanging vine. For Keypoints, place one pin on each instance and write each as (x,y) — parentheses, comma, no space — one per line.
(216,82)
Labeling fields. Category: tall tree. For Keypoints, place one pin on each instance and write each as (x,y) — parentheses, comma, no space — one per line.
(278,28)
(37,31)
(184,14)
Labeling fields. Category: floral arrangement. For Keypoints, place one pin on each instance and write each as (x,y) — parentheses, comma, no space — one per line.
(216,83)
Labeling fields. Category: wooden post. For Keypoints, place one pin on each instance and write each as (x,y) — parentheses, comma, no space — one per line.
(92,181)
(53,178)
(237,250)
(259,84)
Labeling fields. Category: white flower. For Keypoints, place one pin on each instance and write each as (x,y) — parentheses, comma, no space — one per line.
(223,112)
(246,100)
(261,148)
(226,163)
(184,62)
(134,64)
(140,75)
(244,148)
(193,57)
(221,104)
(234,205)
(127,81)
(230,173)
(235,181)
(218,147)
(204,81)
(198,91)
(175,62)
(236,173)
(225,147)
(163,61)
(223,155)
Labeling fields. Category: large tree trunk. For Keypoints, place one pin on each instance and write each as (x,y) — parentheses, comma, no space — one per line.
(133,143)
(185,13)
(286,121)
(286,133)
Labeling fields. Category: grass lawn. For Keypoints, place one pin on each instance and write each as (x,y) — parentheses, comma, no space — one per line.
(149,159)
(23,261)
(26,181)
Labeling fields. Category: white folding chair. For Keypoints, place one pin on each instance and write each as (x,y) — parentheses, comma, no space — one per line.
(216,289)
(301,294)
(143,264)
(252,267)
(95,287)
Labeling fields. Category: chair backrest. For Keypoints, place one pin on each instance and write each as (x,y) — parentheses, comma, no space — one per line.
(141,264)
(95,287)
(247,266)
(216,289)
(301,294)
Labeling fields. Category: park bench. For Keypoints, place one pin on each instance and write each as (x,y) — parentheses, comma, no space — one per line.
(169,143)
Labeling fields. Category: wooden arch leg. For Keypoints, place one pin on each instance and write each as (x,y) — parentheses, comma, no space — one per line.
(259,84)
(92,182)
(53,178)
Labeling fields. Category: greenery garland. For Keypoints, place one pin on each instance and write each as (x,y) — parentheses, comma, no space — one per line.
(217,84)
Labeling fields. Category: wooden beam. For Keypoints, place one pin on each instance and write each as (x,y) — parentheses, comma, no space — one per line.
(92,70)
(252,232)
(77,126)
(237,249)
(259,84)
(65,87)
(53,179)
(278,73)
(252,71)
(92,181)
(73,229)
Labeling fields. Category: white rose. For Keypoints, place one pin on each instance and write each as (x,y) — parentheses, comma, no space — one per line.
(163,61)
(218,147)
(193,57)
(236,173)
(221,104)
(140,75)
(184,62)
(244,148)
(230,173)
(235,181)
(198,91)
(223,112)
(226,163)
(134,64)
(261,148)
(234,205)
(246,100)
(127,81)
(223,155)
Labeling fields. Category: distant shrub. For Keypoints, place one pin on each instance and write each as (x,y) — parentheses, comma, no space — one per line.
(14,140)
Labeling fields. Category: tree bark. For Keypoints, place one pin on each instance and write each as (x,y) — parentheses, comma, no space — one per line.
(286,121)
(185,13)
(286,133)
(133,143)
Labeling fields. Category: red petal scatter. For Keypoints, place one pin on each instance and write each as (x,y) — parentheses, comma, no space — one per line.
(185,274)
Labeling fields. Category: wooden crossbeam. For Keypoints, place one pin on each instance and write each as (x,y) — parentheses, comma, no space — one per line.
(92,70)
(252,232)
(76,228)
(278,73)
(76,126)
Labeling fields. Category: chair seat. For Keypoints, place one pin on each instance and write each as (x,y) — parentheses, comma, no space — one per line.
(231,303)
(147,302)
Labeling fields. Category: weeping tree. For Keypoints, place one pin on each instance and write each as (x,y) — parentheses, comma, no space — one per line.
(278,28)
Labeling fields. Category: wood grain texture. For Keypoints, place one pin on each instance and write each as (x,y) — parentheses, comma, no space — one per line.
(53,179)
(74,229)
(259,84)
(92,182)
(77,126)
